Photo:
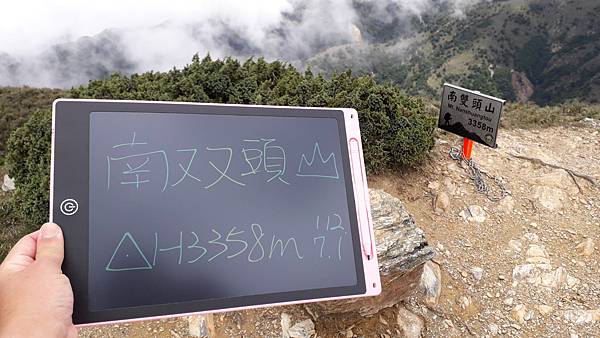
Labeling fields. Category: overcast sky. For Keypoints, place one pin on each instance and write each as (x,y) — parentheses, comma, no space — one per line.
(158,35)
(27,25)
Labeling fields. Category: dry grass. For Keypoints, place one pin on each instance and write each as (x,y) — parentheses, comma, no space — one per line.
(525,116)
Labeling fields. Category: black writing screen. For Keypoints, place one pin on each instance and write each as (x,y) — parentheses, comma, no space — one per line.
(195,206)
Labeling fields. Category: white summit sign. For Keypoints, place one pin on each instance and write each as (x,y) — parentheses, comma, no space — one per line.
(470,114)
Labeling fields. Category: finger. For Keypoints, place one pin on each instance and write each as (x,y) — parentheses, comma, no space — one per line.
(22,254)
(50,246)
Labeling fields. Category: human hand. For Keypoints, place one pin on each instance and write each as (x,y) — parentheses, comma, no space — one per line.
(36,299)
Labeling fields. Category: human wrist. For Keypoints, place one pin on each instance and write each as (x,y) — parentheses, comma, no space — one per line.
(28,327)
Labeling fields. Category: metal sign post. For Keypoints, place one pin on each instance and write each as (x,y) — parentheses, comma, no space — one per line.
(467,148)
(475,117)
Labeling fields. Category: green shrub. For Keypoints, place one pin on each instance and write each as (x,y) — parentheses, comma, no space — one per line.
(17,104)
(533,58)
(394,128)
(10,229)
(409,137)
(28,159)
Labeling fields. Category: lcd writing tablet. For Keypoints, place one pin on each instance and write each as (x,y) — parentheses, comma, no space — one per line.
(178,208)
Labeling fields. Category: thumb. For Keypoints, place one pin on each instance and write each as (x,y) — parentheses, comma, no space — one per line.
(50,246)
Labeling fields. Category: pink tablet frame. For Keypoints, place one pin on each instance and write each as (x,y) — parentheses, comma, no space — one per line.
(361,196)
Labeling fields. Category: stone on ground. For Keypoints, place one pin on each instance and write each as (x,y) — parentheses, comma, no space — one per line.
(410,324)
(473,213)
(582,316)
(477,272)
(303,329)
(549,198)
(506,205)
(544,309)
(537,254)
(521,313)
(586,248)
(198,326)
(442,202)
(431,283)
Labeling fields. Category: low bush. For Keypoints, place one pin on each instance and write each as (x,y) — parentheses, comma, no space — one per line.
(17,104)
(28,159)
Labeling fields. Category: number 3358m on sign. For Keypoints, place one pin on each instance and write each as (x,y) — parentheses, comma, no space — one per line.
(470,114)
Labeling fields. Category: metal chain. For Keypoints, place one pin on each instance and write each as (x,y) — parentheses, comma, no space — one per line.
(477,176)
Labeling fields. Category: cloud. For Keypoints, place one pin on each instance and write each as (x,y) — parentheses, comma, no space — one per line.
(64,43)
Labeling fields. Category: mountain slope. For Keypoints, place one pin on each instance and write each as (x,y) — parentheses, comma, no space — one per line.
(544,51)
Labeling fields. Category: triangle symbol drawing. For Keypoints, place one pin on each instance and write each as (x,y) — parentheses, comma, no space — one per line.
(128,256)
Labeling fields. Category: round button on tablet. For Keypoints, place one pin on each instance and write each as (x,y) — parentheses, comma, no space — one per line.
(69,207)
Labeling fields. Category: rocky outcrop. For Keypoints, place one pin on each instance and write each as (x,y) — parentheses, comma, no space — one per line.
(8,184)
(401,250)
(522,87)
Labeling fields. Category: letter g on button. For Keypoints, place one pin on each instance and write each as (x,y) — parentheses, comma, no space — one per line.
(69,207)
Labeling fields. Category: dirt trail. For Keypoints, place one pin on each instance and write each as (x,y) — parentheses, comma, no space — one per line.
(520,272)
(528,266)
